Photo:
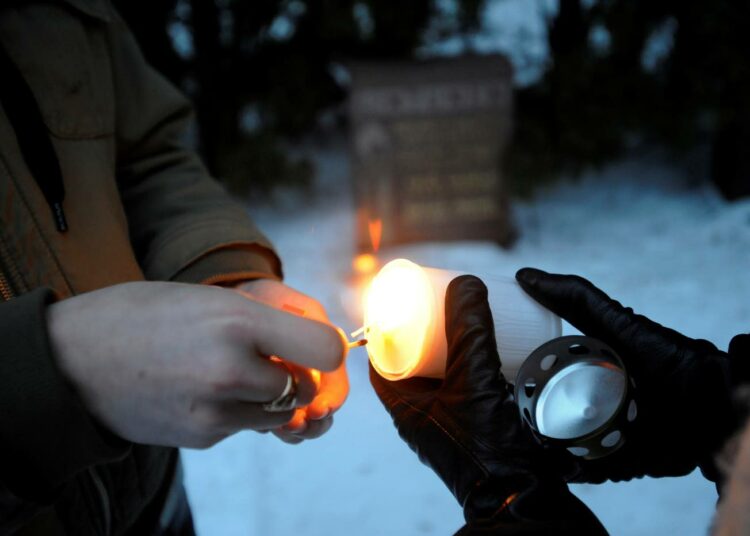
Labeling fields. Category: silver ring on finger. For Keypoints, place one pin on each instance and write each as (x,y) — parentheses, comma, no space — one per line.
(287,400)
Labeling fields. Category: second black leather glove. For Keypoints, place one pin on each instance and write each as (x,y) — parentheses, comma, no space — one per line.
(468,430)
(683,386)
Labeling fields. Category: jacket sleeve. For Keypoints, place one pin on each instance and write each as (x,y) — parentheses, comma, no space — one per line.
(183,225)
(47,436)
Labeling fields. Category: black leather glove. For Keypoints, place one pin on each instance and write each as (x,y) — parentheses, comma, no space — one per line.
(682,385)
(468,430)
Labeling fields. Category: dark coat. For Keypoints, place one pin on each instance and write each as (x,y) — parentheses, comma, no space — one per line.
(139,205)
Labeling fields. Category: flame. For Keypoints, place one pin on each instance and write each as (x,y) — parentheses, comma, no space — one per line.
(367,263)
(375,227)
(398,313)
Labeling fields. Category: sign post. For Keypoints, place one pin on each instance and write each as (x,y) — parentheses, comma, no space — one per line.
(427,143)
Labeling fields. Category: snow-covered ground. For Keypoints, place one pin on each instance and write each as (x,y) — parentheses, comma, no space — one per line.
(665,245)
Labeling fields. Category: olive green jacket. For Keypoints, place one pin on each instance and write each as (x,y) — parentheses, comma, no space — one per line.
(139,205)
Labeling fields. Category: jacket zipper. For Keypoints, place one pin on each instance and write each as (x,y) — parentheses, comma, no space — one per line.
(6,292)
(104,499)
(11,282)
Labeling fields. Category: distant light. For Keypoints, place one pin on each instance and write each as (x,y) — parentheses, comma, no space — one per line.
(365,263)
(659,45)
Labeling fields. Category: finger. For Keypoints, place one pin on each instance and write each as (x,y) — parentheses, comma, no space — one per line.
(278,295)
(394,394)
(333,390)
(314,429)
(320,408)
(302,426)
(287,437)
(303,305)
(575,299)
(739,356)
(298,340)
(307,384)
(259,379)
(233,416)
(297,422)
(472,361)
(592,312)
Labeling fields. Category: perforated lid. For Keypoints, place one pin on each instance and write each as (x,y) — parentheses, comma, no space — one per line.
(580,399)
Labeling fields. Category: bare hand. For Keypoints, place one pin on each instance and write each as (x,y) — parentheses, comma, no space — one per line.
(333,387)
(185,365)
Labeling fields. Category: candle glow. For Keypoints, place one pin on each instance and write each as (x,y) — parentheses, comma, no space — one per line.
(404,321)
(399,312)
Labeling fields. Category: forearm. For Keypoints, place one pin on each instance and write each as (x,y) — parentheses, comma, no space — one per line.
(178,215)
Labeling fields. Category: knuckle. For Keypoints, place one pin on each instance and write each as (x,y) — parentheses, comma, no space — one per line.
(207,441)
(230,377)
(209,421)
(307,388)
(580,289)
(239,324)
(305,396)
(579,284)
(280,419)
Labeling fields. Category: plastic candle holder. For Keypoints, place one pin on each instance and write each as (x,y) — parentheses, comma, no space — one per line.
(405,321)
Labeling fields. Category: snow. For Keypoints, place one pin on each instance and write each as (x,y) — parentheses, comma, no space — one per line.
(642,229)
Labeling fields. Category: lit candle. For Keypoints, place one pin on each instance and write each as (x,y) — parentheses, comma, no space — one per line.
(405,321)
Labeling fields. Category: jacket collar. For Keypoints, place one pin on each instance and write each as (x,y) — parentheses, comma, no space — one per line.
(99,9)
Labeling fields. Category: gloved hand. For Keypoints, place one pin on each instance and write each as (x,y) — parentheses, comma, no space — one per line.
(683,388)
(468,430)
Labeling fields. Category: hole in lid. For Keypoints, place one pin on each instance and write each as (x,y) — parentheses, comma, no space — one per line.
(529,387)
(578,451)
(578,349)
(611,439)
(548,362)
(632,411)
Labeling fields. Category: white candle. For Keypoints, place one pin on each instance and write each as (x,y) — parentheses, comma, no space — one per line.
(405,321)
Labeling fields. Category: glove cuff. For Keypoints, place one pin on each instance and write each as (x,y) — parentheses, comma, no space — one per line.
(539,506)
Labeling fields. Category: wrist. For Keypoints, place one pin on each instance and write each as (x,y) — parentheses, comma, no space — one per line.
(516,498)
(497,497)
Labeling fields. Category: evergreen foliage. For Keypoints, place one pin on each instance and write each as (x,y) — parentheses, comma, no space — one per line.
(619,73)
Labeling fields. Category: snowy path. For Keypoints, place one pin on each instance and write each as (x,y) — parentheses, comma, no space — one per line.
(676,253)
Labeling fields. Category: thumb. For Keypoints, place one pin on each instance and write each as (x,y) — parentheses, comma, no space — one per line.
(473,362)
(594,313)
(302,341)
(739,356)
(573,298)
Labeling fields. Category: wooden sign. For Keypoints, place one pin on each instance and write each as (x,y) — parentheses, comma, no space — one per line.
(427,142)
